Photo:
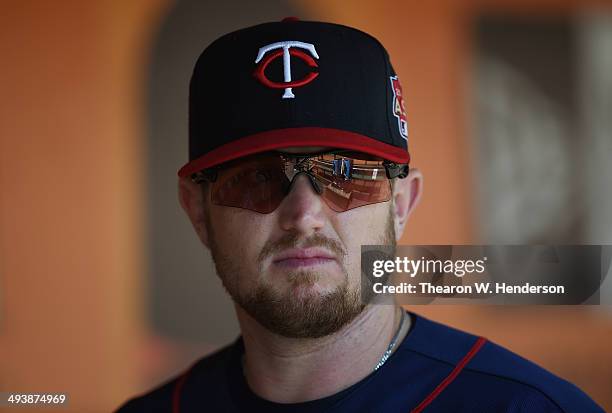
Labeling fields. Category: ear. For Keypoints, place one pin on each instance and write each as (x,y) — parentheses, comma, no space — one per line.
(406,195)
(191,197)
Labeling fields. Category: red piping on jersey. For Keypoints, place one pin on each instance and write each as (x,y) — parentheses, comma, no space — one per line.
(462,363)
(176,394)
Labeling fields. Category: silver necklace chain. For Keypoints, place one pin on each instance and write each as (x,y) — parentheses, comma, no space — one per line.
(392,344)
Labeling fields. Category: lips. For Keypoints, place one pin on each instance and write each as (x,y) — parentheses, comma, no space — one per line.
(297,257)
(304,253)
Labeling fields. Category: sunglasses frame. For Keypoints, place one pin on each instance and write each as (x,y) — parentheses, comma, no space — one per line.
(340,164)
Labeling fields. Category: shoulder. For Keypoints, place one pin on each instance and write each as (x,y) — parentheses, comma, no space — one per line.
(497,375)
(160,399)
(156,400)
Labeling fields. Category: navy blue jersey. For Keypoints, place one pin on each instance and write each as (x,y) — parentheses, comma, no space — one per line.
(435,369)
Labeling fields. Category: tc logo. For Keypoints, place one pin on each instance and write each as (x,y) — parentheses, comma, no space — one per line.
(287,50)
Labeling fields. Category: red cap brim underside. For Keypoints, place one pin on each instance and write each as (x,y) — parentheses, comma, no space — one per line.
(295,137)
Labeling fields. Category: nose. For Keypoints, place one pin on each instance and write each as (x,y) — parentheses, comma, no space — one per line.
(302,210)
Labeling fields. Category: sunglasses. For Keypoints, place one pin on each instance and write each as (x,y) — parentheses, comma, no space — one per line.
(344,180)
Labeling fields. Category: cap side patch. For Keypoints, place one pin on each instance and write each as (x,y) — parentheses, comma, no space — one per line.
(398,108)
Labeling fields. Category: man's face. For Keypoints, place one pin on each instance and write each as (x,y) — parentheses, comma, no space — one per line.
(296,270)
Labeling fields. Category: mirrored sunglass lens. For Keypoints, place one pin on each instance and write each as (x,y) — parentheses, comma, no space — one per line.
(344,195)
(260,183)
(257,186)
(351,182)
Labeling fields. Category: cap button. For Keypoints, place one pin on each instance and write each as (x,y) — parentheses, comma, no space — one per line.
(290,19)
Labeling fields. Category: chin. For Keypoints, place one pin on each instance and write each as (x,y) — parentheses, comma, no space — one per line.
(309,291)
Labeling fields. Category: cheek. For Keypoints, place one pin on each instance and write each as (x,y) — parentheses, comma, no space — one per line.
(365,225)
(239,234)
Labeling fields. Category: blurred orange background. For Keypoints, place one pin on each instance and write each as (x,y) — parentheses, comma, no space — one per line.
(75,176)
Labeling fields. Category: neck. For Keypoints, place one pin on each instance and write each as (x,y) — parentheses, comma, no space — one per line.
(291,370)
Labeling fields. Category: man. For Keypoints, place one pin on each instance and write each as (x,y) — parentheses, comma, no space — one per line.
(298,157)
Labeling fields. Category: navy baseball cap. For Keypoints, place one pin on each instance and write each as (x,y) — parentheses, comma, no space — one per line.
(294,83)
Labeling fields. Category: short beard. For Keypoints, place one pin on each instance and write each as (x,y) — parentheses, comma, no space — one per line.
(302,318)
(284,314)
